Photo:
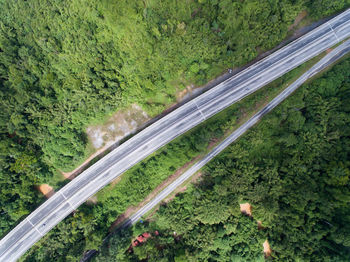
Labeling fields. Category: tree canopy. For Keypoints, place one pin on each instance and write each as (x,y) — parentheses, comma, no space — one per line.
(293,168)
(64,64)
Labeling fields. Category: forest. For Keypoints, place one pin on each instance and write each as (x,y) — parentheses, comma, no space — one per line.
(64,64)
(293,168)
(91,223)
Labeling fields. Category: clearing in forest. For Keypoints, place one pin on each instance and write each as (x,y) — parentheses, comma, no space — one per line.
(120,125)
(110,133)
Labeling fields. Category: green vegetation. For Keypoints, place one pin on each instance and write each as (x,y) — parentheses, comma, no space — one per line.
(293,168)
(86,229)
(64,64)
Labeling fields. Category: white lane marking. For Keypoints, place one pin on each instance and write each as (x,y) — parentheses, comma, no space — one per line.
(333,31)
(199,109)
(34,227)
(210,103)
(66,200)
(235,135)
(312,44)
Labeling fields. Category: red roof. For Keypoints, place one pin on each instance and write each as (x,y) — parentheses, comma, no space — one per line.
(141,238)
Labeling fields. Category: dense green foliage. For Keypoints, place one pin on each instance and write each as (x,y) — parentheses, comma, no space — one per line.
(293,168)
(64,63)
(86,229)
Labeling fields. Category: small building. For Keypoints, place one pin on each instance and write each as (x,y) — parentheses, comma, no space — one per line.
(140,239)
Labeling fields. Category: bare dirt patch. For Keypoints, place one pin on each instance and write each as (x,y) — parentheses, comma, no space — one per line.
(110,133)
(267,248)
(160,187)
(120,125)
(46,190)
(246,209)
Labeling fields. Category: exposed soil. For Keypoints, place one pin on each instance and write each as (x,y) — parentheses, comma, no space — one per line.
(46,190)
(246,209)
(169,180)
(267,248)
(173,195)
(120,125)
(110,133)
(196,177)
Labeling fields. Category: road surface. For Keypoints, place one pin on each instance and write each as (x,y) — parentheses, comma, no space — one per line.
(323,63)
(72,195)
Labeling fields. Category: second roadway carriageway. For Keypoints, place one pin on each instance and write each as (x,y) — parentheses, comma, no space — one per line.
(194,112)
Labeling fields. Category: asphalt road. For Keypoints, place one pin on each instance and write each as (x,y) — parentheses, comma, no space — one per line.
(323,63)
(71,196)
